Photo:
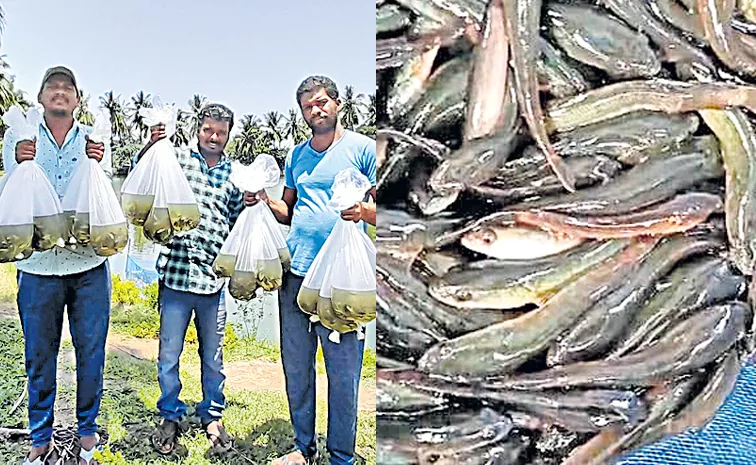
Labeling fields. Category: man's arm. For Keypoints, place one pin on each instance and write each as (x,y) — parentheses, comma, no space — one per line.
(361,211)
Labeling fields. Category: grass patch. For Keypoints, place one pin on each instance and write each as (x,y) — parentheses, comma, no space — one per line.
(8,283)
(259,420)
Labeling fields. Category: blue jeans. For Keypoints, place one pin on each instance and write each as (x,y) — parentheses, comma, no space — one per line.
(299,345)
(176,308)
(41,301)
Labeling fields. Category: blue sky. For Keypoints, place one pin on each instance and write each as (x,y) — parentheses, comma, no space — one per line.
(247,54)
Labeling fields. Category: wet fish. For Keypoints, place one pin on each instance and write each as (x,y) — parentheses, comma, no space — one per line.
(390,19)
(646,184)
(489,93)
(692,344)
(674,216)
(448,11)
(442,105)
(522,25)
(738,141)
(474,163)
(449,444)
(503,347)
(695,414)
(517,184)
(664,95)
(439,262)
(555,75)
(598,39)
(631,139)
(399,230)
(393,52)
(396,399)
(605,322)
(414,293)
(665,401)
(714,16)
(507,284)
(505,241)
(689,288)
(410,82)
(691,62)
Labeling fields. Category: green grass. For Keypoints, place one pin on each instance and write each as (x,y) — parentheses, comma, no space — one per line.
(259,420)
(8,284)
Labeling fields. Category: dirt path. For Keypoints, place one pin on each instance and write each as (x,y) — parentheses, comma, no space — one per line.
(251,375)
(248,375)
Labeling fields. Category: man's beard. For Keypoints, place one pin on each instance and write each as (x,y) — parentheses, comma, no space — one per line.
(324,129)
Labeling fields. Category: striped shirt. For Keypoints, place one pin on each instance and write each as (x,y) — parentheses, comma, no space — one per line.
(185,264)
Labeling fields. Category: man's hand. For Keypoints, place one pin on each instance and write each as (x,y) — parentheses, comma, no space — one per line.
(95,150)
(252,198)
(157,133)
(354,213)
(26,150)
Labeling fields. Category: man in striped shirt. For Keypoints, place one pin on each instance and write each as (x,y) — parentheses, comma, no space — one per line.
(187,283)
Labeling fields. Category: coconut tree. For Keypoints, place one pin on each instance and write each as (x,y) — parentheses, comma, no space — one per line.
(139,101)
(295,128)
(274,124)
(113,105)
(185,129)
(82,113)
(196,104)
(351,108)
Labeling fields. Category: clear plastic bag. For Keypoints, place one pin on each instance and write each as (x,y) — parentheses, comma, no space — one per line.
(93,214)
(156,194)
(255,252)
(339,288)
(31,217)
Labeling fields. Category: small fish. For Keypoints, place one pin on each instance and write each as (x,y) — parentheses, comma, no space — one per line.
(664,95)
(507,284)
(689,288)
(738,141)
(689,346)
(555,75)
(391,19)
(597,39)
(680,214)
(714,16)
(604,323)
(522,26)
(410,82)
(505,241)
(503,347)
(396,399)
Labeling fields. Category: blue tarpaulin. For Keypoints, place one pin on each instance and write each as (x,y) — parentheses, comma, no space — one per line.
(728,439)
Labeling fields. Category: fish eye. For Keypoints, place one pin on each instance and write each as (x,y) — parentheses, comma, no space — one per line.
(462,295)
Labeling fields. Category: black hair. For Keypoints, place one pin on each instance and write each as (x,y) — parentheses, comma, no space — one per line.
(313,83)
(217,112)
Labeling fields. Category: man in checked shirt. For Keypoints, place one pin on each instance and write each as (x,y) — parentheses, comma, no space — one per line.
(188,284)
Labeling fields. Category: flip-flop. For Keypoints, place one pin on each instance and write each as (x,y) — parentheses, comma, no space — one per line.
(88,455)
(284,460)
(166,435)
(223,442)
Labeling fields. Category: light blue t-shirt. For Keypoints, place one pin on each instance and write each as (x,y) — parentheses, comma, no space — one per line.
(312,174)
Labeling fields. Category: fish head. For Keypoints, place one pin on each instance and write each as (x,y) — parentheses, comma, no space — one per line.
(480,240)
(459,296)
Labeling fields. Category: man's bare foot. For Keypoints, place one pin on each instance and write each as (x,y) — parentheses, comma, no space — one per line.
(88,443)
(293,458)
(40,451)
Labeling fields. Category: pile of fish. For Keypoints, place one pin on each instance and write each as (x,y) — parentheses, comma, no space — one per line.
(567,224)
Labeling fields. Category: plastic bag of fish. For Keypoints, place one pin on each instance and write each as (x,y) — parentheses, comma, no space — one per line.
(93,215)
(156,194)
(31,217)
(255,254)
(339,288)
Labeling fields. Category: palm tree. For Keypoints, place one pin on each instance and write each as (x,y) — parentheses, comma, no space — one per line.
(295,128)
(184,129)
(351,108)
(139,101)
(371,110)
(114,106)
(273,123)
(82,113)
(196,104)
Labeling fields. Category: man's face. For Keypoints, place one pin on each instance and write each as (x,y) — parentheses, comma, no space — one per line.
(213,136)
(59,96)
(320,111)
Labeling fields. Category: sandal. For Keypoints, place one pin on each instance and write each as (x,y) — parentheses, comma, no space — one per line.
(165,437)
(88,455)
(48,458)
(221,442)
(285,460)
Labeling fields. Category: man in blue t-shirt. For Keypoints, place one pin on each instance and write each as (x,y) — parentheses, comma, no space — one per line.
(309,174)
